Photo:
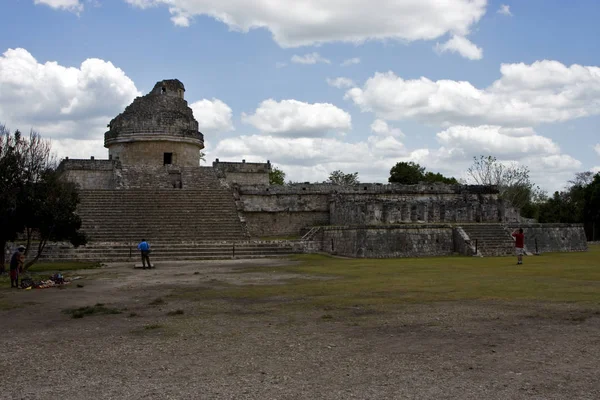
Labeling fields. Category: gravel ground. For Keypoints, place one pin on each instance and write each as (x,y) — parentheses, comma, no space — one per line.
(222,349)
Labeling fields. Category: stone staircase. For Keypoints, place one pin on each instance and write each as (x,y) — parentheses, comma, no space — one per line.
(491,239)
(172,251)
(181,215)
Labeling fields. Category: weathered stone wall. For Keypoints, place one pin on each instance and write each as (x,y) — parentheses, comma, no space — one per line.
(151,153)
(388,241)
(436,203)
(273,224)
(283,210)
(243,173)
(89,174)
(367,204)
(553,237)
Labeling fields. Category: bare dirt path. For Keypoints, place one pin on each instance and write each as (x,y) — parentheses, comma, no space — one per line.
(225,349)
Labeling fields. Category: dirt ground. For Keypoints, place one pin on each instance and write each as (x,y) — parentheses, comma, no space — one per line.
(225,349)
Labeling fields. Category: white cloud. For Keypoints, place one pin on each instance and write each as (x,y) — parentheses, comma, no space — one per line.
(61,101)
(504,10)
(595,169)
(340,82)
(69,5)
(459,144)
(350,61)
(310,22)
(462,46)
(296,118)
(311,159)
(75,148)
(213,116)
(310,58)
(597,148)
(493,140)
(280,64)
(525,95)
(380,127)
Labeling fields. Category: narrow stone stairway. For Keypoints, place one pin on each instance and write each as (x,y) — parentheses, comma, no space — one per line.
(491,239)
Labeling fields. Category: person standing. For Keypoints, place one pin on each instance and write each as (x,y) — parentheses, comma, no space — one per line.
(144,248)
(16,266)
(519,244)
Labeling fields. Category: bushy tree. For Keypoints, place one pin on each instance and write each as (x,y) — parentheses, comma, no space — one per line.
(410,173)
(276,176)
(32,196)
(578,203)
(48,208)
(430,177)
(340,178)
(10,186)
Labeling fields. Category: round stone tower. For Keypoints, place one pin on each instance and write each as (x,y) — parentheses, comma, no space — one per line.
(156,129)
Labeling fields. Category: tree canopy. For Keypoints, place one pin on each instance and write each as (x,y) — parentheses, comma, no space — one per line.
(410,173)
(578,203)
(276,176)
(340,178)
(33,198)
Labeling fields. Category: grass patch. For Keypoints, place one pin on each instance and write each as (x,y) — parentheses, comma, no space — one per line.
(62,266)
(97,309)
(175,312)
(157,302)
(375,283)
(132,314)
(153,326)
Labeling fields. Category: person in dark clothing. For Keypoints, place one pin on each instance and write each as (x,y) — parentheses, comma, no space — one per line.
(519,245)
(144,248)
(16,266)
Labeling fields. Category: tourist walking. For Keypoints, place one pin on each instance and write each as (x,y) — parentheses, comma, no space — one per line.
(519,244)
(144,248)
(16,266)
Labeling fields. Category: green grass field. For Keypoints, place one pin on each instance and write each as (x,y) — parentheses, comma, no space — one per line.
(559,277)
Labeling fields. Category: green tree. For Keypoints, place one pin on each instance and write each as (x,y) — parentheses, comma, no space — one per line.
(408,173)
(591,207)
(49,206)
(340,178)
(276,176)
(431,177)
(32,197)
(11,181)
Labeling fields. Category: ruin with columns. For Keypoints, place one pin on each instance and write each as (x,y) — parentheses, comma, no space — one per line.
(152,186)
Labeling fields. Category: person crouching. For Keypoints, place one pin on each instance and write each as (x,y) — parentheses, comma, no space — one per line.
(144,248)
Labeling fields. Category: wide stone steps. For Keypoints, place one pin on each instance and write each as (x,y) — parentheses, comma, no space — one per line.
(160,214)
(490,239)
(173,251)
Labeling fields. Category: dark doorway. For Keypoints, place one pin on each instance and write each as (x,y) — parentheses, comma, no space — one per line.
(168,159)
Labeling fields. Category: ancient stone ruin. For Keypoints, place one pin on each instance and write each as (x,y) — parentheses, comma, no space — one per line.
(153,186)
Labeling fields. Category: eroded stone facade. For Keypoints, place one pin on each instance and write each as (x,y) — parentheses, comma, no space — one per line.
(155,144)
(156,129)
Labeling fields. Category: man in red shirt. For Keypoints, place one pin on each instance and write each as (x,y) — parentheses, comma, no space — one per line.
(519,244)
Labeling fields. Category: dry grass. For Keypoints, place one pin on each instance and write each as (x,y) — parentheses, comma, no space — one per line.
(558,277)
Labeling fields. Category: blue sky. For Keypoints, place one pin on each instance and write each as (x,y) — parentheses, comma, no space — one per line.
(422,81)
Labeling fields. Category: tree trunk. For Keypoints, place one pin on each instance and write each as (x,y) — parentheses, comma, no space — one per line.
(2,255)
(41,247)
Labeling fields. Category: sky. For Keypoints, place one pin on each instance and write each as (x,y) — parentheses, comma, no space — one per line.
(317,86)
